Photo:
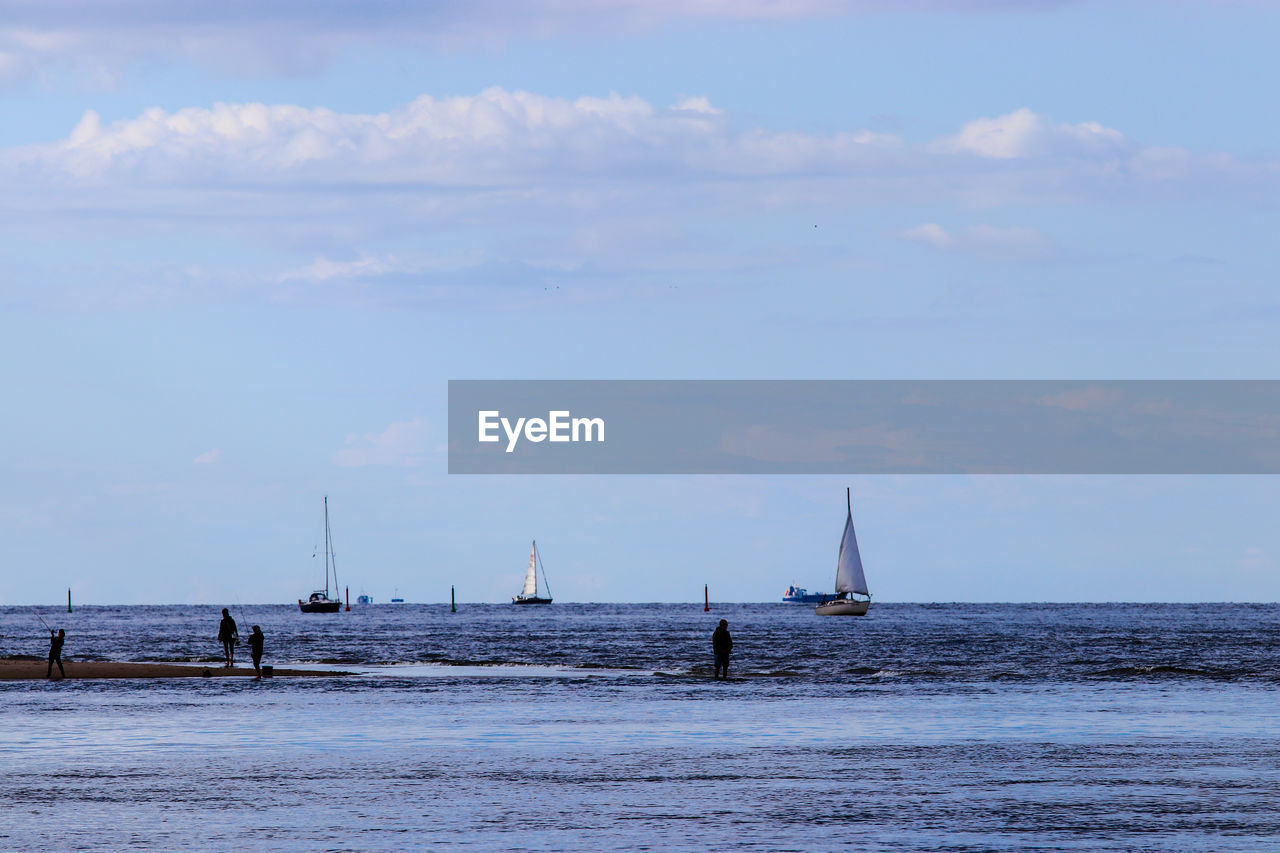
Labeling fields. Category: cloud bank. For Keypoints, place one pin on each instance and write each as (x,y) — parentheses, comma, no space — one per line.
(518,187)
(500,140)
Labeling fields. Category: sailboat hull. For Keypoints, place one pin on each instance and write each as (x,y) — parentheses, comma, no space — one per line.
(843,607)
(319,606)
(530,599)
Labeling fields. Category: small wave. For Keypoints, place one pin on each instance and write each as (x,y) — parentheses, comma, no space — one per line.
(1163,669)
(180,659)
(470,662)
(772,673)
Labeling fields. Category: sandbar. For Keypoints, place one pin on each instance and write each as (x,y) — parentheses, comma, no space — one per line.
(11,670)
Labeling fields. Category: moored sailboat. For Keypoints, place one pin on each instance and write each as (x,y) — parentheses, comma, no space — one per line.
(850,580)
(529,594)
(319,601)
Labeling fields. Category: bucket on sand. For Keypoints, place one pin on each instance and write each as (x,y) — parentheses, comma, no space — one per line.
(268,671)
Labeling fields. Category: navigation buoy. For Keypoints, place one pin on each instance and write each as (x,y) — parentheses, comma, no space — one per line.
(348,589)
(453,603)
(706,599)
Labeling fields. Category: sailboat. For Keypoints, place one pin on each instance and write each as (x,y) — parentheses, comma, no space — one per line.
(320,602)
(850,580)
(529,595)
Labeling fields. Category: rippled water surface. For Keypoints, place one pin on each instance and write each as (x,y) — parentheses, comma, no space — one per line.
(584,727)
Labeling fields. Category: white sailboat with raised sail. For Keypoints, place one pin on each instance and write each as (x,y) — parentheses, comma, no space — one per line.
(319,601)
(529,594)
(850,580)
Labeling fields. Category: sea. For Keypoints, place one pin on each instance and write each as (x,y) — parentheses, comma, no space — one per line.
(919,727)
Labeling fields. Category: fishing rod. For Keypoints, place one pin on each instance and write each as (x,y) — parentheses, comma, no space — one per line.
(244,619)
(247,624)
(41,618)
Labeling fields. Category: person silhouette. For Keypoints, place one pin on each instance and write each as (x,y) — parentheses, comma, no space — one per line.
(255,650)
(55,652)
(228,636)
(721,646)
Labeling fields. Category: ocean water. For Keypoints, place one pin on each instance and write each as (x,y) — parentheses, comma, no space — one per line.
(598,727)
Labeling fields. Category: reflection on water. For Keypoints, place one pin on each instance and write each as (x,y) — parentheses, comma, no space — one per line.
(598,727)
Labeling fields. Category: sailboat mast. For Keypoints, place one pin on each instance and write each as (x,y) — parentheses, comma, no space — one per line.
(333,556)
(326,546)
(543,573)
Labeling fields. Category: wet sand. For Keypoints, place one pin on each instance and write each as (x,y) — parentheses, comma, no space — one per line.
(11,670)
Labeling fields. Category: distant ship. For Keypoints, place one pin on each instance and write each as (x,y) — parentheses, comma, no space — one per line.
(850,580)
(529,594)
(320,602)
(364,599)
(800,595)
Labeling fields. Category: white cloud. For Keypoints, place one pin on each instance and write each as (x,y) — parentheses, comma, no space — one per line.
(401,444)
(367,266)
(497,138)
(208,457)
(930,233)
(1022,134)
(1013,242)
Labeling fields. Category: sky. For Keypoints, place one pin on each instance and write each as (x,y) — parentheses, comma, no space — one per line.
(246,245)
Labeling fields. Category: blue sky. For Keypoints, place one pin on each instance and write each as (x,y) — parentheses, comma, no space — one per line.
(244,250)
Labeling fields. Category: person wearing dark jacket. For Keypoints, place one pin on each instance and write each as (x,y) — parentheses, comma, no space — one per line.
(721,646)
(228,636)
(255,650)
(55,652)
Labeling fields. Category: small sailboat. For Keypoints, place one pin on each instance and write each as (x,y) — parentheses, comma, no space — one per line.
(320,602)
(850,580)
(529,595)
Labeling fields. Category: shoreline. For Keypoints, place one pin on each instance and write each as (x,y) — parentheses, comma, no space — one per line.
(34,670)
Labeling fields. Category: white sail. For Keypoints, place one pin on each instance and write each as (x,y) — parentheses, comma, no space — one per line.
(849,577)
(531,573)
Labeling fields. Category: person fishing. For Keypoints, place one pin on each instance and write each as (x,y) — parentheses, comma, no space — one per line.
(55,652)
(721,646)
(256,639)
(228,636)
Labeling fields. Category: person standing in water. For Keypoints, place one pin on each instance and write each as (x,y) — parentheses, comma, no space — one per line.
(228,636)
(55,652)
(721,646)
(255,650)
